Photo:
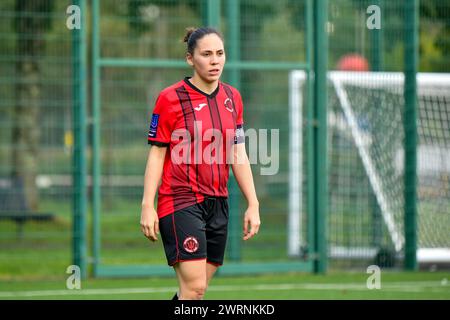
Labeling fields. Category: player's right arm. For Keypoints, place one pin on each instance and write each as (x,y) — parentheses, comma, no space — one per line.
(161,127)
(153,173)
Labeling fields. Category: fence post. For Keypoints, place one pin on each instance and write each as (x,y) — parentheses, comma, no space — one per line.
(211,13)
(79,154)
(95,134)
(320,135)
(377,64)
(377,44)
(234,76)
(410,129)
(311,238)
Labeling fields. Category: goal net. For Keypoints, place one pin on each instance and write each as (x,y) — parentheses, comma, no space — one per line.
(365,173)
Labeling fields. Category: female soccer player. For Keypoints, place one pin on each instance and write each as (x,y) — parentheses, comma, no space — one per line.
(196,132)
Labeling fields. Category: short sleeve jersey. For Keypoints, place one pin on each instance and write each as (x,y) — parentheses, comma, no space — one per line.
(199,130)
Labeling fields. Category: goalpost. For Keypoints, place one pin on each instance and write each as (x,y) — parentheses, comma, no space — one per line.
(366,163)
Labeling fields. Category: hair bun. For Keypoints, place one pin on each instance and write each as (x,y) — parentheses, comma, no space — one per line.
(189,31)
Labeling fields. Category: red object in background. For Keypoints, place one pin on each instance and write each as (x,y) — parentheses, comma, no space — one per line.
(353,62)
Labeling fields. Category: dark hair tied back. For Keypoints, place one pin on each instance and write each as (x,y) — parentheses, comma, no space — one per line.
(189,31)
(194,34)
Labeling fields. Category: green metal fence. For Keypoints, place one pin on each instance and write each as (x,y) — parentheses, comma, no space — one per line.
(154,58)
(36,124)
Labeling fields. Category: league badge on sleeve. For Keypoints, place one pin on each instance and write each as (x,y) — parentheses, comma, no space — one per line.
(239,135)
(153,126)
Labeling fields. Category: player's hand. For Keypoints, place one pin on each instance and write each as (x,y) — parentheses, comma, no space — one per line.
(251,221)
(150,223)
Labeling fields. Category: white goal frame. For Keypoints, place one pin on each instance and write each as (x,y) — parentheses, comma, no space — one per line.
(338,79)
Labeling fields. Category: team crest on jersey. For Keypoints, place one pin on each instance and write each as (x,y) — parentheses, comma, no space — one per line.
(228,104)
(153,126)
(190,244)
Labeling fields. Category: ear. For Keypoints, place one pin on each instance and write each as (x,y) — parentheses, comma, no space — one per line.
(189,59)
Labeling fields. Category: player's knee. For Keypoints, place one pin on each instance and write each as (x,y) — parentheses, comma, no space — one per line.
(200,289)
(197,290)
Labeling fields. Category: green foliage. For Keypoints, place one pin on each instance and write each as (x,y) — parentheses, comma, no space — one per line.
(435,35)
(39,18)
(297,13)
(142,14)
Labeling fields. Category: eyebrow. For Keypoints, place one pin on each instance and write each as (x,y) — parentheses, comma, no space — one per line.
(208,50)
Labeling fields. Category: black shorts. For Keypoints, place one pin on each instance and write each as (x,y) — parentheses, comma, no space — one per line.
(196,232)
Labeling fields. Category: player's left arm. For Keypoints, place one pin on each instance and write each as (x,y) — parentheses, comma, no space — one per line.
(244,177)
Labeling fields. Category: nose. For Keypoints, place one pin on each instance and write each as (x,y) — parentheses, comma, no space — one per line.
(214,59)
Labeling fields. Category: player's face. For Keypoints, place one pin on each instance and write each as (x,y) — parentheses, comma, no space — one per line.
(208,58)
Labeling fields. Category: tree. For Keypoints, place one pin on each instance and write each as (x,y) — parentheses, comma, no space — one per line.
(436,12)
(140,12)
(32,21)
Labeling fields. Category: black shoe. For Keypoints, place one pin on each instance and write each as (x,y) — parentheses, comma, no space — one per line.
(175,297)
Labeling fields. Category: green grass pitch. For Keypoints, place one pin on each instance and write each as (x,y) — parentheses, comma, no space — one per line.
(293,286)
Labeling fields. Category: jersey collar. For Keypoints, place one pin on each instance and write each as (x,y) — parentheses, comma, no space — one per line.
(212,95)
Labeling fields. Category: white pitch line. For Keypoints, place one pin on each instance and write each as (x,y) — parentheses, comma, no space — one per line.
(392,286)
(67,292)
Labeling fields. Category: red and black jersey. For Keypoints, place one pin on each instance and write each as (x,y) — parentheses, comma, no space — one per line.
(199,130)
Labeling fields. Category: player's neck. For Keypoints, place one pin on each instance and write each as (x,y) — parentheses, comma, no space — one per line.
(207,87)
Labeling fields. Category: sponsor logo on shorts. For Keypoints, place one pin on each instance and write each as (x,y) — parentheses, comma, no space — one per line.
(190,244)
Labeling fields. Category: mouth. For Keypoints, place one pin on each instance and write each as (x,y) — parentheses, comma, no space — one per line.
(214,71)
